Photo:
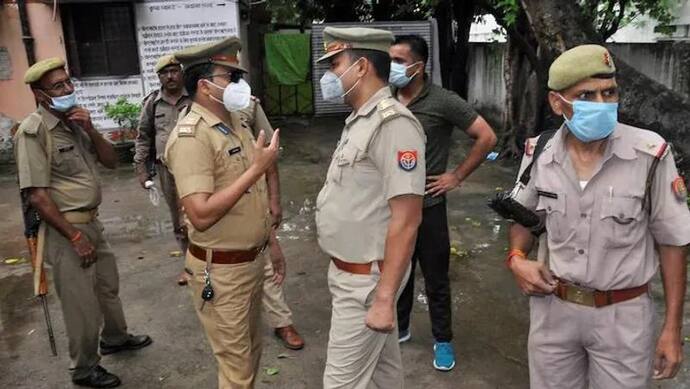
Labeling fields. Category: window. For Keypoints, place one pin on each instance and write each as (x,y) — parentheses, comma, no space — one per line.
(100,39)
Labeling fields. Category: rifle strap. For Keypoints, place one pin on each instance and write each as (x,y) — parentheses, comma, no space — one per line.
(541,143)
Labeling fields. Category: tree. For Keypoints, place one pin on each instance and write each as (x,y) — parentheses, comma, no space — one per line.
(539,30)
(561,24)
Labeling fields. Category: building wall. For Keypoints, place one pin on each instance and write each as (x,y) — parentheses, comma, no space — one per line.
(665,62)
(16,99)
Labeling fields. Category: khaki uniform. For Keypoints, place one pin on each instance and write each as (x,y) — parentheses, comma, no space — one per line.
(158,118)
(278,313)
(601,237)
(370,166)
(89,297)
(206,155)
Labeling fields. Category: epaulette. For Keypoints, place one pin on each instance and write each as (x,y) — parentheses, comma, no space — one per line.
(652,144)
(153,94)
(30,124)
(187,126)
(387,109)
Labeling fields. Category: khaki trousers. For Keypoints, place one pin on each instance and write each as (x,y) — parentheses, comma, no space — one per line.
(575,347)
(91,307)
(176,215)
(232,318)
(357,357)
(278,313)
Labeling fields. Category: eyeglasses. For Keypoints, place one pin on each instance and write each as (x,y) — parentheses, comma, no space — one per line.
(60,85)
(233,76)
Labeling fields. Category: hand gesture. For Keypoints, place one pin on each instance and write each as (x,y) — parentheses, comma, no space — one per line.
(79,116)
(265,156)
(438,185)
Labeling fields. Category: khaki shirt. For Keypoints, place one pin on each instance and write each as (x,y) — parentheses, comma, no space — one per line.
(601,237)
(373,163)
(158,127)
(72,177)
(206,155)
(255,118)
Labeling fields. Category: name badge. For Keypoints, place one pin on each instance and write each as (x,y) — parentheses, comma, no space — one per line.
(65,148)
(550,195)
(234,150)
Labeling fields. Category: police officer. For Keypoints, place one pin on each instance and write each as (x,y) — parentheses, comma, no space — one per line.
(159,115)
(368,210)
(56,149)
(219,173)
(278,312)
(615,209)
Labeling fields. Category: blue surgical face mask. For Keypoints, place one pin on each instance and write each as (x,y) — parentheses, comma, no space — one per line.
(63,103)
(398,76)
(591,121)
(332,86)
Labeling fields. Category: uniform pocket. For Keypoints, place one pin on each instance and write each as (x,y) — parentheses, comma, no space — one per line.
(557,225)
(67,159)
(621,217)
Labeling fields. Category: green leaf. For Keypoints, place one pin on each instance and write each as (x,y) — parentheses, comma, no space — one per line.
(272,371)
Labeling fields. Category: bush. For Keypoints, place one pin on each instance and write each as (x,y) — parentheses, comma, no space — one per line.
(126,115)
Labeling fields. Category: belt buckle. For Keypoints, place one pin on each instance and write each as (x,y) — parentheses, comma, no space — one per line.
(580,295)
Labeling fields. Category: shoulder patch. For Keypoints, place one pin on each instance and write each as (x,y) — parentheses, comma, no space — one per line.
(30,125)
(680,189)
(187,125)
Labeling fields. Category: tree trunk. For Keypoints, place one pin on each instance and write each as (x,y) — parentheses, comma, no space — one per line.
(444,21)
(561,24)
(464,16)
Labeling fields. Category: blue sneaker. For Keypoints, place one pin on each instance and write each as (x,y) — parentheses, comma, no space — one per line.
(404,335)
(444,356)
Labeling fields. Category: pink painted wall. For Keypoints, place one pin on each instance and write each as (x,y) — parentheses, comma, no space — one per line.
(16,100)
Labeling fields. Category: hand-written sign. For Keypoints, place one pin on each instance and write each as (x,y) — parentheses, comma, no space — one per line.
(94,94)
(164,27)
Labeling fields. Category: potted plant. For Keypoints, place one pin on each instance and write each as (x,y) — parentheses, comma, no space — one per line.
(126,115)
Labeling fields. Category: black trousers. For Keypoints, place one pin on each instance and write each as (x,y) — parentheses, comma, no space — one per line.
(432,252)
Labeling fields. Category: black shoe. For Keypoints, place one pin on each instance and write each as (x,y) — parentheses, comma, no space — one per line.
(98,378)
(134,342)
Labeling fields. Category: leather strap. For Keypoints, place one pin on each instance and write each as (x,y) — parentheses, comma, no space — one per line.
(567,291)
(356,268)
(225,257)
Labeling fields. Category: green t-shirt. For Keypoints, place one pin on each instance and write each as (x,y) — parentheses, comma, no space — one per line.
(439,111)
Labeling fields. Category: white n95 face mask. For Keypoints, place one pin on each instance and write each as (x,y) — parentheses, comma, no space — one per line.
(236,95)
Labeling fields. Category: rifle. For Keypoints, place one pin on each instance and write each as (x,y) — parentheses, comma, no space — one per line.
(32,231)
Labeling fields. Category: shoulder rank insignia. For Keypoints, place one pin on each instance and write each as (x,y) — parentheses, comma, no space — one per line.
(679,189)
(187,125)
(529,147)
(385,103)
(185,130)
(407,159)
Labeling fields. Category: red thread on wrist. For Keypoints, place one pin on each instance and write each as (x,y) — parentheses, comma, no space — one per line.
(76,237)
(512,253)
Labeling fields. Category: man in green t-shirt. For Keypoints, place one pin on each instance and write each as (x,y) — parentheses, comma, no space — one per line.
(439,111)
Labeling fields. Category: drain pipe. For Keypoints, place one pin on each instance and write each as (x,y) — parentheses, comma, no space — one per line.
(26,32)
